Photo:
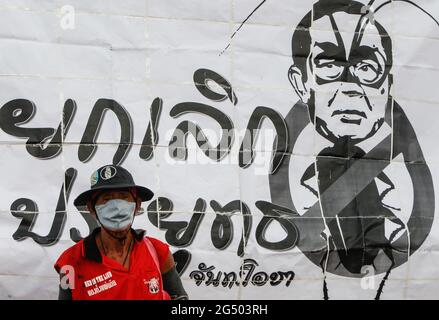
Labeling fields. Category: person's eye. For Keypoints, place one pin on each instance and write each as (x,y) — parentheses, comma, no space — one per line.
(328,69)
(364,68)
(367,72)
(325,63)
(367,68)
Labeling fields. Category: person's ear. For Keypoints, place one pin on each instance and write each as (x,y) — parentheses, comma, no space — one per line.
(138,204)
(296,79)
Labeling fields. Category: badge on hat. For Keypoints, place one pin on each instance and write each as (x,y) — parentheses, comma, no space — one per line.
(108,172)
(94,178)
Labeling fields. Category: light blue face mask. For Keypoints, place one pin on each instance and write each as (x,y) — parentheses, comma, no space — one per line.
(116,214)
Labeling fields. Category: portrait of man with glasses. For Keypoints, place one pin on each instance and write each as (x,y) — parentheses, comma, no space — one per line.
(348,197)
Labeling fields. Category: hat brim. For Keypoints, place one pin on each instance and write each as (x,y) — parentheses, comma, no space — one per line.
(143,193)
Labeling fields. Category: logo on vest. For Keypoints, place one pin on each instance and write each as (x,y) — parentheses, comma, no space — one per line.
(153,285)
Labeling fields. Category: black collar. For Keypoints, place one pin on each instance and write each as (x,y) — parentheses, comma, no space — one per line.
(91,250)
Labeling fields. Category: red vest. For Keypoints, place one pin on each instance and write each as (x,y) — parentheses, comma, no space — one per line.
(98,277)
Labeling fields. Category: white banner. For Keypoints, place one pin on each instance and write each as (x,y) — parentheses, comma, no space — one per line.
(291,145)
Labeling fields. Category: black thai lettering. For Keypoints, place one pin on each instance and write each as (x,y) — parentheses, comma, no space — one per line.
(275,279)
(92,223)
(222,227)
(248,220)
(182,258)
(212,279)
(20,111)
(178,233)
(259,279)
(284,217)
(27,210)
(289,275)
(88,144)
(199,275)
(209,276)
(177,145)
(161,208)
(151,136)
(229,280)
(247,153)
(202,77)
(246,271)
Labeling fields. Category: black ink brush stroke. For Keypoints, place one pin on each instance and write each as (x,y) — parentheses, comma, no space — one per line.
(242,24)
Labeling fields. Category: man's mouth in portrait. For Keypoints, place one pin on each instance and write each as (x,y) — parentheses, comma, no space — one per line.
(350,116)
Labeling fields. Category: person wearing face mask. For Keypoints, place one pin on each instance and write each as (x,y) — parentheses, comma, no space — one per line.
(116,261)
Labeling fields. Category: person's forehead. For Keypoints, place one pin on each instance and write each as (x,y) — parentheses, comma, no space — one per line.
(322,31)
(114,193)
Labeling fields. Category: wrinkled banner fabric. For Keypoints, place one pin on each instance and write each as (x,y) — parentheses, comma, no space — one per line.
(291,145)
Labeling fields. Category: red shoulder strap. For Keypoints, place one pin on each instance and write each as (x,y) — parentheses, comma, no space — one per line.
(153,252)
(155,257)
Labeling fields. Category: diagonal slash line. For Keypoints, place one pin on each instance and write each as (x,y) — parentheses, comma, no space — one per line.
(355,175)
(337,190)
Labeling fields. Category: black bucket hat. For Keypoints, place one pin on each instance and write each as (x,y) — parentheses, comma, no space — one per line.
(112,177)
